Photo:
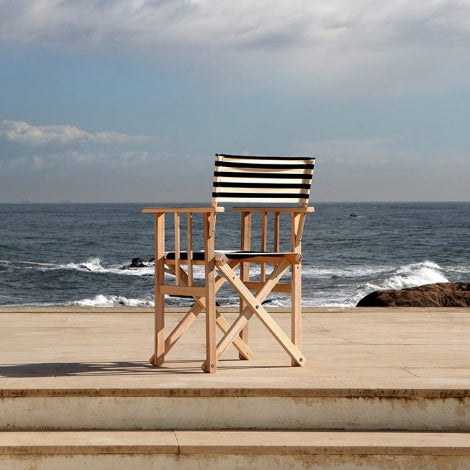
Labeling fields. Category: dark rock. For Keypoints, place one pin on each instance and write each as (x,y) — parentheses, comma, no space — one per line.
(137,263)
(441,294)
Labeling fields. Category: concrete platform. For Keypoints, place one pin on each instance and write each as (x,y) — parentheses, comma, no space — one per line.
(80,348)
(369,371)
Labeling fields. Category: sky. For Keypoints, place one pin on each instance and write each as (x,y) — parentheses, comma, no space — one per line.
(129,100)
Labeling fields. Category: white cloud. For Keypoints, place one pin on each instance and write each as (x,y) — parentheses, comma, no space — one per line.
(224,22)
(27,147)
(65,134)
(324,45)
(67,160)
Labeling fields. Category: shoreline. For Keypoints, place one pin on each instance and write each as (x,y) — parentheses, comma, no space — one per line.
(305,310)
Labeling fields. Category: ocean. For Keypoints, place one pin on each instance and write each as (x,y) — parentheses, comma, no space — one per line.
(80,254)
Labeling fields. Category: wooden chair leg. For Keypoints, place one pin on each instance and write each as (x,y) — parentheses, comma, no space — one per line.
(297,225)
(158,357)
(296,307)
(210,364)
(159,353)
(245,233)
(245,276)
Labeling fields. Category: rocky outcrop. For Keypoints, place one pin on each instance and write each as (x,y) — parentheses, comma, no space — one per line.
(139,263)
(442,294)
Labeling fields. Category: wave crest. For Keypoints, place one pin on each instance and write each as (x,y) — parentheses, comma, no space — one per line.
(412,275)
(94,265)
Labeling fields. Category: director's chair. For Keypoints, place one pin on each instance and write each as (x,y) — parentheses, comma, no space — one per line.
(282,186)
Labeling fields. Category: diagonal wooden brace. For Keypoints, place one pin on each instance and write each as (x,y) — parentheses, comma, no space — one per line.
(254,307)
(193,313)
(246,314)
(254,304)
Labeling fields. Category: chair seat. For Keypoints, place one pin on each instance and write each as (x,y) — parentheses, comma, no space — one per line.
(234,255)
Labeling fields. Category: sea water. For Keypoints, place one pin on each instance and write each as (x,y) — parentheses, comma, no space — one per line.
(80,254)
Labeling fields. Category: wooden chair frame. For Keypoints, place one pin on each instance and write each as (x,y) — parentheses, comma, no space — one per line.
(184,283)
(251,304)
(219,267)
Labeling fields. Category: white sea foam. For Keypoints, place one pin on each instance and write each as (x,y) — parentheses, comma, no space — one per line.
(349,293)
(335,286)
(94,265)
(412,275)
(113,301)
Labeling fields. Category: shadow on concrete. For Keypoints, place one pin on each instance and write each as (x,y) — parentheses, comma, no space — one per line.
(64,369)
(74,369)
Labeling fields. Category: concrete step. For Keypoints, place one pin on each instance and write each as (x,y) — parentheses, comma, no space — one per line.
(169,449)
(235,408)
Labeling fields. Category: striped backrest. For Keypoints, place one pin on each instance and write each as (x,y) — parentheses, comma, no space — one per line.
(252,179)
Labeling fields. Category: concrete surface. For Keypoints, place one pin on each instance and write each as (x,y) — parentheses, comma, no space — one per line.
(401,349)
(77,392)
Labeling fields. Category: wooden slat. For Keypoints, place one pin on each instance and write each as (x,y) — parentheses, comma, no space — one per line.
(189,247)
(264,241)
(182,290)
(283,287)
(277,231)
(177,247)
(245,242)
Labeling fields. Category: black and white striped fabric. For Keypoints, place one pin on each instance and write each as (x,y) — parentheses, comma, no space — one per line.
(255,179)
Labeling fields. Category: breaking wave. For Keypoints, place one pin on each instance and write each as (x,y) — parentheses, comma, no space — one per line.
(94,265)
(344,287)
(411,275)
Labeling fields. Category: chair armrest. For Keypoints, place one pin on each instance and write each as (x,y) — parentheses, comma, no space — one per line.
(162,210)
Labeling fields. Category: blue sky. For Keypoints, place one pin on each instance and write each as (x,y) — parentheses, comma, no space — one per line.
(128,100)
